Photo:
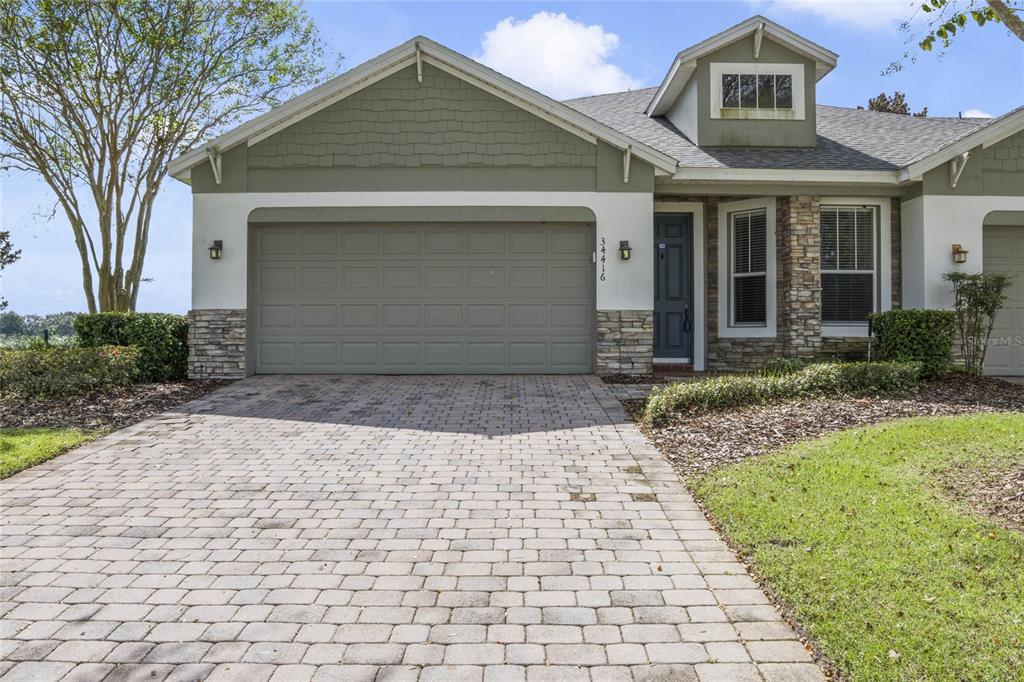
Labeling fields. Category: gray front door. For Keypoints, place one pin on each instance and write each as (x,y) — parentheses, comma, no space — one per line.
(423,298)
(673,286)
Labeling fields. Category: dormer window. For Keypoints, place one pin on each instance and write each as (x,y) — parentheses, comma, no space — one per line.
(751,91)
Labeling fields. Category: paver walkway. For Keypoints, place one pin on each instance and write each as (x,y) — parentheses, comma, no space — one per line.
(375,528)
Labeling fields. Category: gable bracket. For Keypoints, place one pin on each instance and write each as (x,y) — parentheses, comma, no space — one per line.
(215,158)
(627,157)
(419,64)
(956,168)
(758,37)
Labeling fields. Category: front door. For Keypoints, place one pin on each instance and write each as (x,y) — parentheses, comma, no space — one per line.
(673,287)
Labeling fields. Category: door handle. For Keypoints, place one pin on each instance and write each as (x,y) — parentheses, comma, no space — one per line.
(686,320)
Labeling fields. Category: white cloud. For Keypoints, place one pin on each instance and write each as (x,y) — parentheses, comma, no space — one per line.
(977,113)
(556,55)
(862,13)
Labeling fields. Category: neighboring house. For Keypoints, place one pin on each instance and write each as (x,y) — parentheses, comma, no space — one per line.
(422,213)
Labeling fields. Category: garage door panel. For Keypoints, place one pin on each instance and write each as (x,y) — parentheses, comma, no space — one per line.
(1003,252)
(418,298)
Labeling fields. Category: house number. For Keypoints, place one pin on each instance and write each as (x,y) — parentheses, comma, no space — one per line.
(604,257)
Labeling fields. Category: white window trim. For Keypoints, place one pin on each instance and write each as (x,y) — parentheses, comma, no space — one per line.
(725,330)
(699,322)
(883,206)
(797,113)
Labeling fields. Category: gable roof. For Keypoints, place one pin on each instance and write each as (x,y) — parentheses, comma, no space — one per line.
(685,62)
(847,139)
(419,50)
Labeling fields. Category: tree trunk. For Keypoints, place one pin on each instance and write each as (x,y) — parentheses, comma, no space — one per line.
(1008,17)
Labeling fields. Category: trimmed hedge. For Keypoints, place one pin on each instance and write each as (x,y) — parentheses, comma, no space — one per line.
(817,380)
(56,371)
(916,335)
(161,338)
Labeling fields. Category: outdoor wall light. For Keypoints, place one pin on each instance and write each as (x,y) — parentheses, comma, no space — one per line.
(624,251)
(216,249)
(959,254)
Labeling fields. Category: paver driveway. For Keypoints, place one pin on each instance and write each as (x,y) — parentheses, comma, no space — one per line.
(375,528)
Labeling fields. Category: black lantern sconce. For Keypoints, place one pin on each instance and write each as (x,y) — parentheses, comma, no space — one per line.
(624,251)
(216,249)
(959,254)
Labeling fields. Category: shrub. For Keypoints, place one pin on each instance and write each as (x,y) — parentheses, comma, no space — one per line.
(977,299)
(781,366)
(55,371)
(817,380)
(161,338)
(924,336)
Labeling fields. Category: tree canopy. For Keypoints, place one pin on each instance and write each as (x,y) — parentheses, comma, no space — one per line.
(894,104)
(96,97)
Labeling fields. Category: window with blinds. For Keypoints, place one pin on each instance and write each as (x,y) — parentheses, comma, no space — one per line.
(748,241)
(848,263)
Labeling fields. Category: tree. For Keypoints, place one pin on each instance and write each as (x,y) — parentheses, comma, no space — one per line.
(977,298)
(896,104)
(944,19)
(96,97)
(8,256)
(12,324)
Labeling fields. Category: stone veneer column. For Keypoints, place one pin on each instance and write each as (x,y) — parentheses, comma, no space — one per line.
(625,342)
(216,343)
(798,239)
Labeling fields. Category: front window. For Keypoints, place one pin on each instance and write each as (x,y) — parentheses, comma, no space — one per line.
(748,267)
(757,91)
(848,263)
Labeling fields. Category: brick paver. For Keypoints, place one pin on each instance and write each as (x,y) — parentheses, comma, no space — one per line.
(378,528)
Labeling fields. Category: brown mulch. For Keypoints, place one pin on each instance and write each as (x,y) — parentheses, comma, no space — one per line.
(699,443)
(103,411)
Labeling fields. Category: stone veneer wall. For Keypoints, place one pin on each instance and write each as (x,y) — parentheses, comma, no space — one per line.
(216,343)
(625,342)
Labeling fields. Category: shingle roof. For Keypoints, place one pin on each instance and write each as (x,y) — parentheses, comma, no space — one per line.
(848,139)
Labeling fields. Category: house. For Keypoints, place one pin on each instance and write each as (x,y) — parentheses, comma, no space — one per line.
(422,213)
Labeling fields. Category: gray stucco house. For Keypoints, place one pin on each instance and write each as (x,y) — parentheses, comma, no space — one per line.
(424,214)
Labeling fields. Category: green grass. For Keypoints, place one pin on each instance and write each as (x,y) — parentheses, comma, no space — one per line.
(22,448)
(893,579)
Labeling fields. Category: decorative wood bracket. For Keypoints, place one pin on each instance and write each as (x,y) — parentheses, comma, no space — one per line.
(627,158)
(758,37)
(214,163)
(956,168)
(419,64)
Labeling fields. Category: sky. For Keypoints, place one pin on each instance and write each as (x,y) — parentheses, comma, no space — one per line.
(566,49)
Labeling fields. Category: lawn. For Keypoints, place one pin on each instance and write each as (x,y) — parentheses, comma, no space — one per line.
(857,537)
(22,448)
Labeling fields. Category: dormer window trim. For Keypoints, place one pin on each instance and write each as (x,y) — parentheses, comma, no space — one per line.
(798,110)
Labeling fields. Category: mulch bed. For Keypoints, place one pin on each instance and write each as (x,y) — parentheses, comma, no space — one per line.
(105,411)
(699,443)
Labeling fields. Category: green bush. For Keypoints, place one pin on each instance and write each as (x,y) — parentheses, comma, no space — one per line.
(817,380)
(161,338)
(924,336)
(55,371)
(780,366)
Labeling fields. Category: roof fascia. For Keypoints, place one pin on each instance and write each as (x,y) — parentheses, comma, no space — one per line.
(779,175)
(1006,125)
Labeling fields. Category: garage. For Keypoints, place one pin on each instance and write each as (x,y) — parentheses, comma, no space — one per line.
(1004,252)
(422,298)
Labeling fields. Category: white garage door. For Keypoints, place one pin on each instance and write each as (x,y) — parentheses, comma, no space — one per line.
(1004,252)
(424,298)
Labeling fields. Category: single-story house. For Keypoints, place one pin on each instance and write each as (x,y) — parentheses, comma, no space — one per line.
(422,213)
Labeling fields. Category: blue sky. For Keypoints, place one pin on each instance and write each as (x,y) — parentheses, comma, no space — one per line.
(594,47)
